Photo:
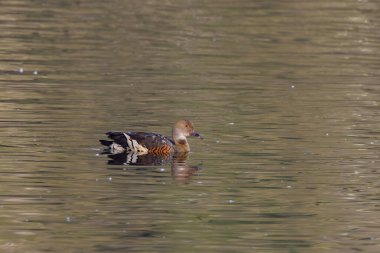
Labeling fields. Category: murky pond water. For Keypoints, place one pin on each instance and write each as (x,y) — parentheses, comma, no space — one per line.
(286,94)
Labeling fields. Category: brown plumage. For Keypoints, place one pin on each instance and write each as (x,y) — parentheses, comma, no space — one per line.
(144,143)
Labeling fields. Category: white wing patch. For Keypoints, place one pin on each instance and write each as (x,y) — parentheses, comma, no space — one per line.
(116,148)
(134,146)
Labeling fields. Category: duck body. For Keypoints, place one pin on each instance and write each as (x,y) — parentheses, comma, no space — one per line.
(138,142)
(152,143)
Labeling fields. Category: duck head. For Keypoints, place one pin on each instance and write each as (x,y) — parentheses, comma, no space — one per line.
(181,130)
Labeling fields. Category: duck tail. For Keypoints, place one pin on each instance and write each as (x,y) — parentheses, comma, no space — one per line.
(106,142)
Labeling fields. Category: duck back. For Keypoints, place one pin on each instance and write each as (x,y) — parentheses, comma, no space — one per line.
(139,142)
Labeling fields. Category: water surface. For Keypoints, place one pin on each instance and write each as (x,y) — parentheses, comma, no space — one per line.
(286,94)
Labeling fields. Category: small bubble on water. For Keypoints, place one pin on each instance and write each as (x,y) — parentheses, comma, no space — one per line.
(292,86)
(231,201)
(327,134)
(68,219)
(288,186)
(231,123)
(21,70)
(35,72)
(162,169)
(110,179)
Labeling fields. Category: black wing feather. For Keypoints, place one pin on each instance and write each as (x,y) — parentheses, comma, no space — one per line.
(118,138)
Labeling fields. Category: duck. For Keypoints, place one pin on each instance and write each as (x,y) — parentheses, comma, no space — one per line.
(143,143)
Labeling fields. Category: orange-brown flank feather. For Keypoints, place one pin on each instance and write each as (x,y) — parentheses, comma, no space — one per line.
(165,149)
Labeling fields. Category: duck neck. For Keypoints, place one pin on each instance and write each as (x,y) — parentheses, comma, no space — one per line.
(181,143)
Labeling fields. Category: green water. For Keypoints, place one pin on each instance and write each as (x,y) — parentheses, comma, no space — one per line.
(285,93)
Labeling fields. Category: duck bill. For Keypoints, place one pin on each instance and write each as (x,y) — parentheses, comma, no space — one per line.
(195,134)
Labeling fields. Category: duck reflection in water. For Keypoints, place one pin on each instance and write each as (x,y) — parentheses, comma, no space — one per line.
(180,170)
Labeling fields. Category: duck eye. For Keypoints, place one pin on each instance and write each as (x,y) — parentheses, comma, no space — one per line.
(186,125)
